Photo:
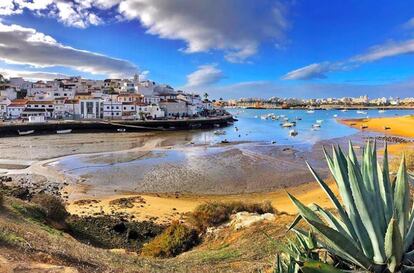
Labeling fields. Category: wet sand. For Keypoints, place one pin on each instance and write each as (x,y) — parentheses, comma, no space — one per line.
(167,171)
(396,126)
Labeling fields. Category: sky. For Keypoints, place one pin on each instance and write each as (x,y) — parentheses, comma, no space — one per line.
(227,48)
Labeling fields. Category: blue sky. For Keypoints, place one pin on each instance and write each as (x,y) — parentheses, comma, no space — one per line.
(230,49)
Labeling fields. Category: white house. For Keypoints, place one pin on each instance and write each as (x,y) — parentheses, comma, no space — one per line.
(145,88)
(91,108)
(16,108)
(38,108)
(4,102)
(174,108)
(151,111)
(112,109)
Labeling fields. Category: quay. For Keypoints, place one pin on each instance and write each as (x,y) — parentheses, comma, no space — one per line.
(11,129)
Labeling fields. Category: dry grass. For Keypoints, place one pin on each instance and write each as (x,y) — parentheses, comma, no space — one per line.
(176,239)
(216,213)
(52,206)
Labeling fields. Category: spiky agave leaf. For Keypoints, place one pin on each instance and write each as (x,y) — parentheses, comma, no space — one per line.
(369,201)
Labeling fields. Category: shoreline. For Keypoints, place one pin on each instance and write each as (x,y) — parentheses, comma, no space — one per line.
(392,126)
(88,199)
(11,129)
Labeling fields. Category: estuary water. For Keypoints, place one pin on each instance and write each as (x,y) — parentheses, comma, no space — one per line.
(252,128)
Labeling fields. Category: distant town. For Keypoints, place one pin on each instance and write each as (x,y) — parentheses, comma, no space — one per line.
(119,99)
(76,98)
(323,103)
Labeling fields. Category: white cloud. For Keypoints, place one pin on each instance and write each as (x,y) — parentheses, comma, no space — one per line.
(204,76)
(319,70)
(22,45)
(235,26)
(387,50)
(32,75)
(76,14)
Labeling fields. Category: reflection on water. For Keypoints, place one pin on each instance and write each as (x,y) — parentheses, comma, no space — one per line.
(250,126)
(252,165)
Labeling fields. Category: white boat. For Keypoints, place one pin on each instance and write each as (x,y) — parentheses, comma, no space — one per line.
(288,124)
(25,133)
(381,111)
(319,121)
(121,130)
(316,128)
(361,112)
(293,133)
(66,131)
(316,125)
(344,110)
(219,132)
(335,116)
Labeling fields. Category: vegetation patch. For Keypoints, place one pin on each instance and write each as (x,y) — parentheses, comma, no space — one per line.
(111,232)
(127,202)
(409,161)
(217,255)
(176,239)
(52,206)
(216,213)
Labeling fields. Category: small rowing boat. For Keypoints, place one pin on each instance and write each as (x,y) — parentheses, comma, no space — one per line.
(293,133)
(25,133)
(66,131)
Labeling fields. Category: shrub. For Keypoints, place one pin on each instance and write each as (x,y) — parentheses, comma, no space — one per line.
(1,199)
(176,239)
(53,206)
(216,213)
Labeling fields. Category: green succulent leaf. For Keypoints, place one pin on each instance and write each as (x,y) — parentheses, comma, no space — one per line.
(393,245)
(319,267)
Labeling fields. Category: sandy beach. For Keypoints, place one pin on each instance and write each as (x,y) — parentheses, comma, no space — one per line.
(396,126)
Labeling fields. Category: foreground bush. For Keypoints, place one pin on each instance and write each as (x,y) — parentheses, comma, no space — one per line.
(52,206)
(216,213)
(373,228)
(176,239)
(1,199)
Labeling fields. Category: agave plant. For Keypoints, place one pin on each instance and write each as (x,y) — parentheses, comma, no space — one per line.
(301,255)
(373,227)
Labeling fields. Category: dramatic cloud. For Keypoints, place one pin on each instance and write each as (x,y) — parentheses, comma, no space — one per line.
(32,75)
(205,75)
(22,45)
(319,70)
(235,26)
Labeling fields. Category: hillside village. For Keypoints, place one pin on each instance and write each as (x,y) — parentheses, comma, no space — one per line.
(78,98)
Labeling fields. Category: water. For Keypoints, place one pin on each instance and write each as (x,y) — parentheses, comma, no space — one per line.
(252,128)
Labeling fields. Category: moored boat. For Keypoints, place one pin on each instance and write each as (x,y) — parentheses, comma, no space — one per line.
(66,131)
(293,133)
(25,133)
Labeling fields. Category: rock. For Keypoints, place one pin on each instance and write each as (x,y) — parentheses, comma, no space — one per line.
(245,219)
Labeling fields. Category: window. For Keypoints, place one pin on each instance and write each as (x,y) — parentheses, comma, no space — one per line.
(124,108)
